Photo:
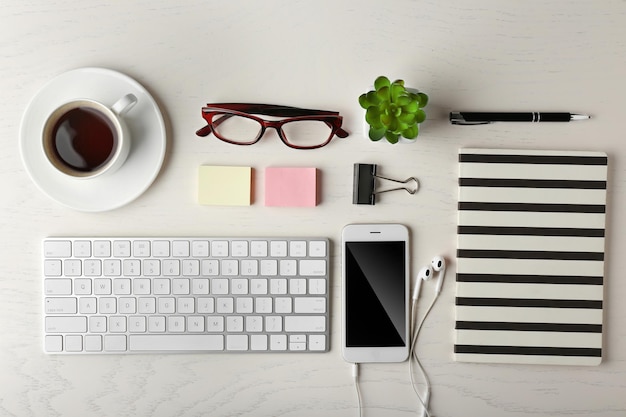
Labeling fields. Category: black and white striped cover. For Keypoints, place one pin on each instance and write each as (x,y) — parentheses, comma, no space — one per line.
(530,258)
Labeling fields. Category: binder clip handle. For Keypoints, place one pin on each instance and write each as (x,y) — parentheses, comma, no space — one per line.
(364,187)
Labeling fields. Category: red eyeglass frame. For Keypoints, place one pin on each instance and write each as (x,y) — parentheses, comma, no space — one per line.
(290,114)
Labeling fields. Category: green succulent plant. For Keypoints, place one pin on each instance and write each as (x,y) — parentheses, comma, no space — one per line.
(393,111)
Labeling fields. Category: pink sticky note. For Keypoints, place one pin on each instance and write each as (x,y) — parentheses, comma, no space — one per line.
(290,187)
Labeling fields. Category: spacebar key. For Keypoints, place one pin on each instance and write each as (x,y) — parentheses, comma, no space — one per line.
(168,342)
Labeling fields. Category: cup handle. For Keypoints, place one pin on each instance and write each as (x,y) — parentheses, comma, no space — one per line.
(123,105)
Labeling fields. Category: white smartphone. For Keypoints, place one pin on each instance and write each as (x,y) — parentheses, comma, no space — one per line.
(375,293)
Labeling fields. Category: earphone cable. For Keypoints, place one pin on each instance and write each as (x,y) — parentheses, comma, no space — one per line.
(413,355)
(355,376)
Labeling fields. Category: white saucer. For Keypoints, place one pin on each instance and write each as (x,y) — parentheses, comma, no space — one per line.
(144,121)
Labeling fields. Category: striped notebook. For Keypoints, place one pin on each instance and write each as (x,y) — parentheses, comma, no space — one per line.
(530,258)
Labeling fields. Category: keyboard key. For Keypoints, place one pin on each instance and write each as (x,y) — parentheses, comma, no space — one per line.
(57,249)
(160,248)
(115,343)
(220,286)
(278,248)
(317,342)
(317,248)
(146,305)
(93,267)
(191,267)
(210,267)
(237,342)
(185,305)
(117,324)
(141,248)
(230,267)
(87,305)
(112,267)
(72,267)
(195,324)
(107,305)
(131,267)
(297,248)
(200,286)
(137,324)
(263,305)
(93,343)
(82,248)
(258,248)
(283,305)
(313,267)
(61,305)
(156,324)
(309,305)
(317,286)
(141,286)
(305,323)
(121,286)
(98,324)
(219,248)
(151,267)
(200,249)
(215,324)
(278,342)
(258,342)
(297,286)
(254,324)
(76,324)
(234,324)
(287,267)
(239,248)
(102,286)
(180,286)
(249,267)
(52,268)
(54,344)
(176,324)
(273,324)
(102,249)
(58,286)
(121,248)
(176,342)
(269,267)
(161,286)
(278,286)
(180,248)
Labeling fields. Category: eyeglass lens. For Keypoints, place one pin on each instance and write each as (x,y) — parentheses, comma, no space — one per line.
(244,130)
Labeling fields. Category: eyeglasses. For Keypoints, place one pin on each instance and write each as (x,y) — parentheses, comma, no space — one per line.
(298,128)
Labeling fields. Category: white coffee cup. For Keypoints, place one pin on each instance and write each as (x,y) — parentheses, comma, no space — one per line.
(84,138)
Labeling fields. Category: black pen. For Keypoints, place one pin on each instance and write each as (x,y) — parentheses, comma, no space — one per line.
(481,118)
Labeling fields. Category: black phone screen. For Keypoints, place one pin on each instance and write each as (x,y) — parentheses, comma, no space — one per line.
(375,294)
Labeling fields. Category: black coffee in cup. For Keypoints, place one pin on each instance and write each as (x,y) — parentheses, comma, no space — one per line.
(83,139)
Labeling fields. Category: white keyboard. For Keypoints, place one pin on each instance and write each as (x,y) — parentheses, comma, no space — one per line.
(138,295)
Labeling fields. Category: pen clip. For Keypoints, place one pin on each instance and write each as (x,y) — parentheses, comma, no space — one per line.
(456,118)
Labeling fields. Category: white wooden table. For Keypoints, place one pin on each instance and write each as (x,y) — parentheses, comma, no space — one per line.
(467,55)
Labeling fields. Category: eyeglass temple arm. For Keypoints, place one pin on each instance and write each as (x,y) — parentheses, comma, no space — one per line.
(270,109)
(207,130)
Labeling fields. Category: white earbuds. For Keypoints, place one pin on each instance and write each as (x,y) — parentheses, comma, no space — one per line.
(438,264)
(424,274)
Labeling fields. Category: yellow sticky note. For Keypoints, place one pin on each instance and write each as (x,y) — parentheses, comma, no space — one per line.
(224,185)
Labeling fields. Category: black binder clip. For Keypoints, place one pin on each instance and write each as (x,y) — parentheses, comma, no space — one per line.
(364,187)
